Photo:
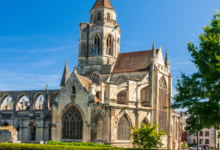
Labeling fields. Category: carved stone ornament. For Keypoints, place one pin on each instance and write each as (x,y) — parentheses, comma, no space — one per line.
(94,76)
(162,84)
(73,97)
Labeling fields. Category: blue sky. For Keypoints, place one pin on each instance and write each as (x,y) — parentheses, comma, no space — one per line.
(36,37)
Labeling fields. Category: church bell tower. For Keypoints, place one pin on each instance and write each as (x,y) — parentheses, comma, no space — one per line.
(99,40)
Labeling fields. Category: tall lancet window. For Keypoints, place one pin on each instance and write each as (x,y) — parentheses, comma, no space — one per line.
(108,17)
(99,16)
(109,45)
(96,45)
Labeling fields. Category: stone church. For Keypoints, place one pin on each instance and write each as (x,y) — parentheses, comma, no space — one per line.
(106,94)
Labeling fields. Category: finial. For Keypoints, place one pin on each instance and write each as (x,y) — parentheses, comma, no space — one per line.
(154,51)
(167,62)
(46,87)
(66,61)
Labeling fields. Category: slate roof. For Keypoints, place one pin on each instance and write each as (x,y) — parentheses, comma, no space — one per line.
(103,3)
(133,61)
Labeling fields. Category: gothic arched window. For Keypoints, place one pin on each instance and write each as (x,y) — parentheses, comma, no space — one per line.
(100,128)
(109,45)
(108,17)
(162,93)
(99,16)
(96,45)
(72,125)
(123,132)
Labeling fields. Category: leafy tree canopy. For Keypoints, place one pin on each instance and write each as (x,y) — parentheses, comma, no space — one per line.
(147,136)
(200,92)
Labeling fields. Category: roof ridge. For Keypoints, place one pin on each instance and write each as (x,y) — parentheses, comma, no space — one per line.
(137,51)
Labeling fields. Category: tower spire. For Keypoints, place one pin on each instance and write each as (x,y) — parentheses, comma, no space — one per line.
(154,51)
(103,3)
(167,62)
(66,76)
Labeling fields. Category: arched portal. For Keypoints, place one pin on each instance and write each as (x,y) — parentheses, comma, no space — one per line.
(72,125)
(32,132)
(18,130)
(123,132)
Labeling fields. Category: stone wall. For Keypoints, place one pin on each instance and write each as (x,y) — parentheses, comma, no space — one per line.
(8,134)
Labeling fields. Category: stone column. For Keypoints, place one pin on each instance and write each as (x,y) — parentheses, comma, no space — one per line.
(89,123)
(106,126)
(169,113)
(14,100)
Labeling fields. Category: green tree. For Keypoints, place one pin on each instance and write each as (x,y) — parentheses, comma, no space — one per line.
(147,136)
(200,92)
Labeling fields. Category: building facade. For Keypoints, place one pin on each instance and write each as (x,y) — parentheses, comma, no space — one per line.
(107,92)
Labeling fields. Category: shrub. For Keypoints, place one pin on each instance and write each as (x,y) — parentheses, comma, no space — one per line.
(184,144)
(147,136)
(10,146)
(76,144)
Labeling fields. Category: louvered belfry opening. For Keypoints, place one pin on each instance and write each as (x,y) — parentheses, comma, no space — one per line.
(124,131)
(72,125)
(162,103)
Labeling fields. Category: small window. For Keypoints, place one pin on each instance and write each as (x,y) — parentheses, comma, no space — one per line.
(207,141)
(99,16)
(200,133)
(194,141)
(107,61)
(108,17)
(206,133)
(201,141)
(73,90)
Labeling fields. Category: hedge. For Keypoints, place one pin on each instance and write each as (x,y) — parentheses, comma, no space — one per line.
(77,144)
(10,146)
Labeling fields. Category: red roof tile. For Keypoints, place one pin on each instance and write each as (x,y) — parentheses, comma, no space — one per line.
(133,61)
(84,81)
(103,3)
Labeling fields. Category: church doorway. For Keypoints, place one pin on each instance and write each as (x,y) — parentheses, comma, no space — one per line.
(72,125)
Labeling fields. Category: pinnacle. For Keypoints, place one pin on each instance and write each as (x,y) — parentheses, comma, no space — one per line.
(154,51)
(66,75)
(167,63)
